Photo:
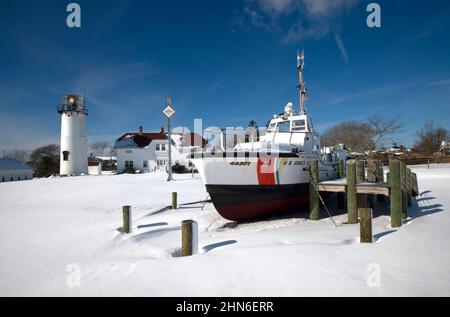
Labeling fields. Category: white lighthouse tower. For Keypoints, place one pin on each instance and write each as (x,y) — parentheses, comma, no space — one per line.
(74,158)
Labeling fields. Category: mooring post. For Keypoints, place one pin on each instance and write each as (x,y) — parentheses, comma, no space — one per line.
(174,200)
(371,178)
(365,219)
(352,210)
(409,186)
(396,193)
(127,219)
(404,191)
(189,238)
(341,196)
(379,174)
(314,206)
(361,178)
(415,191)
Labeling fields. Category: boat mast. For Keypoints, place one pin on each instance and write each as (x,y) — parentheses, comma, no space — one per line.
(302,90)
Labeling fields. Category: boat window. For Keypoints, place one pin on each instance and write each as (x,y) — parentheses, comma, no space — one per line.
(271,127)
(298,125)
(283,126)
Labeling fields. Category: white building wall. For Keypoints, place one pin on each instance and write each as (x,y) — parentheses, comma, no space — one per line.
(73,140)
(152,156)
(15,175)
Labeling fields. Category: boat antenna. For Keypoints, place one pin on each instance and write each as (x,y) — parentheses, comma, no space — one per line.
(301,86)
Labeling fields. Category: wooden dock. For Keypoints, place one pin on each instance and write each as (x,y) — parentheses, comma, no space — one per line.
(360,182)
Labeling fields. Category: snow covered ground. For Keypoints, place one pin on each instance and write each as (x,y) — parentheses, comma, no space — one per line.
(53,229)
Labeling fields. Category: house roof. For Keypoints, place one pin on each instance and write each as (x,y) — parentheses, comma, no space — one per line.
(192,139)
(138,139)
(7,164)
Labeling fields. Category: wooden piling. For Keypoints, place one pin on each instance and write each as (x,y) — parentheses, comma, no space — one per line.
(415,189)
(174,200)
(371,178)
(396,193)
(379,174)
(352,210)
(409,186)
(361,178)
(365,218)
(404,190)
(341,196)
(189,238)
(127,219)
(314,206)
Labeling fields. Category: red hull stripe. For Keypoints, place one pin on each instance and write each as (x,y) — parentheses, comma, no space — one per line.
(266,171)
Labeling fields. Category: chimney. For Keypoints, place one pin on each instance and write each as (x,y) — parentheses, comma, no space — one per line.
(162,130)
(141,130)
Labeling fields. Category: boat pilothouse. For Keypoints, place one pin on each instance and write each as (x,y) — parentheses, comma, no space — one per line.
(272,175)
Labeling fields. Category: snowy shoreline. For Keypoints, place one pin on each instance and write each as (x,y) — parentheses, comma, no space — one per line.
(53,228)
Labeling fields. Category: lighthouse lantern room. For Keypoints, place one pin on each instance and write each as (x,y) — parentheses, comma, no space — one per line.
(74,158)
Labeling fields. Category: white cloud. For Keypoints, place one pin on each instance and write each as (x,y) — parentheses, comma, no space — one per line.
(296,20)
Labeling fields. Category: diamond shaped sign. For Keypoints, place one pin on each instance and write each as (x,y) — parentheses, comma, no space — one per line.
(168,111)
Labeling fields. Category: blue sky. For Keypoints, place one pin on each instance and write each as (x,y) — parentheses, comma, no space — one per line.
(226,62)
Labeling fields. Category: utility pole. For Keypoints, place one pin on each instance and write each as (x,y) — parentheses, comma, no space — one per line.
(168,111)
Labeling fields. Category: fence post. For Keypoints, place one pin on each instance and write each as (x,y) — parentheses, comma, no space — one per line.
(189,238)
(396,193)
(352,210)
(314,206)
(365,218)
(127,219)
(174,200)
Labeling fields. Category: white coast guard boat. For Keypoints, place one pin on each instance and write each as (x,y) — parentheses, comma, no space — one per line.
(270,176)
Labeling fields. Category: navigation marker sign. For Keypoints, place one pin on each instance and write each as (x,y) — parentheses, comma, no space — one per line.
(168,111)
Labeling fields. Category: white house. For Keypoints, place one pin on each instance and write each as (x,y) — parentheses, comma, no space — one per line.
(148,152)
(12,170)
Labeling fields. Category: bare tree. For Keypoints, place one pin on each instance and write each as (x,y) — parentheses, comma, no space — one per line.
(45,160)
(356,136)
(430,137)
(383,129)
(18,155)
(99,147)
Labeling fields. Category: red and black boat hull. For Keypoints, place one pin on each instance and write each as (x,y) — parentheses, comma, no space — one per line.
(244,202)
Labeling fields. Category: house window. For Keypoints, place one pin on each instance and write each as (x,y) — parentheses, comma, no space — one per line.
(26,177)
(163,147)
(190,164)
(18,178)
(129,151)
(160,147)
(12,179)
(145,164)
(3,179)
(129,164)
(66,155)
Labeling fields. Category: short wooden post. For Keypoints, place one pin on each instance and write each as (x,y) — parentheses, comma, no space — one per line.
(341,196)
(409,186)
(371,178)
(365,218)
(352,210)
(396,193)
(127,219)
(174,200)
(189,238)
(314,206)
(379,174)
(404,190)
